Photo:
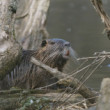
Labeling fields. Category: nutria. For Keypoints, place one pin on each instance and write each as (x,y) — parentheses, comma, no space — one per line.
(52,52)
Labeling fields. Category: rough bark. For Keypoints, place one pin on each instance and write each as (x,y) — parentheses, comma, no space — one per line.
(30,22)
(31,30)
(104,99)
(9,48)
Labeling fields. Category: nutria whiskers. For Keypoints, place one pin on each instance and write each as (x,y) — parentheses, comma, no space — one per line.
(52,52)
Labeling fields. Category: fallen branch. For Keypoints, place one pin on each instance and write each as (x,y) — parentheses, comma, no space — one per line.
(68,80)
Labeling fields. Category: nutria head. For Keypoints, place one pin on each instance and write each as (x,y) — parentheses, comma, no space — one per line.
(55,52)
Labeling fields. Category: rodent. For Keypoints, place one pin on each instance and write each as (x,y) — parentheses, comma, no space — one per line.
(52,52)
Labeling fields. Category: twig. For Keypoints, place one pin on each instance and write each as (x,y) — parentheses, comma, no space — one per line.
(78,88)
(97,54)
(57,73)
(23,91)
(84,91)
(58,98)
(88,66)
(82,102)
(105,18)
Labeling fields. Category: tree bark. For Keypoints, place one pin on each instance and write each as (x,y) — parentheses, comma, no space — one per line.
(9,48)
(31,30)
(30,22)
(104,99)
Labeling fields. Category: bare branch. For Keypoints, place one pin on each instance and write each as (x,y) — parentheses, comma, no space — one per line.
(66,80)
(105,18)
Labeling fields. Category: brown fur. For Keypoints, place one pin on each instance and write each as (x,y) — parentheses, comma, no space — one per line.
(27,75)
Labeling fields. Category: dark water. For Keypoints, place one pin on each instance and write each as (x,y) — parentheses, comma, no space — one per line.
(78,22)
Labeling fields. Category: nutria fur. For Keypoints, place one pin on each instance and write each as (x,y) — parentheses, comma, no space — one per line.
(53,52)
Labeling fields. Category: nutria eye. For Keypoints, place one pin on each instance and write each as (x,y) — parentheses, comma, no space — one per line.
(44,42)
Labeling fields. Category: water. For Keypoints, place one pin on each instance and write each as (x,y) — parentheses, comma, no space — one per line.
(77,21)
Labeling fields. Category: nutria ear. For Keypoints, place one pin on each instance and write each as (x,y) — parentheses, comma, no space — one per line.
(44,42)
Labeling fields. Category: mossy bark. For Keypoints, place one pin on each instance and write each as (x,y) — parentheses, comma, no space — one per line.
(10,50)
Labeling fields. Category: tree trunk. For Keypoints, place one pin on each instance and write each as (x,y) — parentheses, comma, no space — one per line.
(9,48)
(30,22)
(104,98)
(31,30)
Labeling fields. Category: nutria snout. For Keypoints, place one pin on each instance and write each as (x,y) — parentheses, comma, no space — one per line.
(53,52)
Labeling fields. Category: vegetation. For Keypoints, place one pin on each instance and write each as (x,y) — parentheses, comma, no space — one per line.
(29,30)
